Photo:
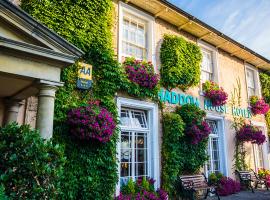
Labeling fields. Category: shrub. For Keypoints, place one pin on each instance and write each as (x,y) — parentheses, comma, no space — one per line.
(171,158)
(216,94)
(91,121)
(193,156)
(180,63)
(191,114)
(2,193)
(258,106)
(228,186)
(30,167)
(142,188)
(141,73)
(250,133)
(196,128)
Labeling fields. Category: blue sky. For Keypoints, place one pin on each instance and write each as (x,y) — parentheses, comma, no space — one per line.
(246,21)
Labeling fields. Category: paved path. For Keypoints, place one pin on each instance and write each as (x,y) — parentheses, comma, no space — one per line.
(247,195)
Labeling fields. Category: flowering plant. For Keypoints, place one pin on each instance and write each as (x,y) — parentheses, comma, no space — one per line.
(250,133)
(258,105)
(265,174)
(215,93)
(91,122)
(141,73)
(197,132)
(228,186)
(141,189)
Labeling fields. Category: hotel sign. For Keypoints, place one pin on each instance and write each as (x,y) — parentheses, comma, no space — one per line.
(182,99)
(84,80)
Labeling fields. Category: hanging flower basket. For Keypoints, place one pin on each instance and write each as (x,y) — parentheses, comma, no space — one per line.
(141,73)
(198,132)
(216,94)
(249,133)
(258,105)
(91,122)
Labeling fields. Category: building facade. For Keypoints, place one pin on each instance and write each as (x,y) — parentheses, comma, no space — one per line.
(138,32)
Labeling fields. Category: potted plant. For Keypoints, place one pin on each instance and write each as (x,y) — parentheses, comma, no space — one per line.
(250,133)
(198,132)
(91,121)
(142,188)
(258,105)
(216,94)
(141,73)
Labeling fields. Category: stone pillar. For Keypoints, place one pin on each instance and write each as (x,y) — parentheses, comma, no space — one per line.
(11,110)
(45,110)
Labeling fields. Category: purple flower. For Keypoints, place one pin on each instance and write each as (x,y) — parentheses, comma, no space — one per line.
(141,73)
(198,132)
(215,93)
(249,133)
(258,106)
(91,122)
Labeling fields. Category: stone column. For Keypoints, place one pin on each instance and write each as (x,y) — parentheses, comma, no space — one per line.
(45,110)
(12,107)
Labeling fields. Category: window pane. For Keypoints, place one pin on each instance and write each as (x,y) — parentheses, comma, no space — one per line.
(141,169)
(139,119)
(125,169)
(125,118)
(125,140)
(134,37)
(206,76)
(250,78)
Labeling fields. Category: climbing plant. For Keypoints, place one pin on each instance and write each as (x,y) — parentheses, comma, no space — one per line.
(87,24)
(180,63)
(171,158)
(237,124)
(265,87)
(179,155)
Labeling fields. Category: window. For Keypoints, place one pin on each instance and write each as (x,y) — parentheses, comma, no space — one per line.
(135,33)
(134,144)
(207,66)
(134,37)
(213,164)
(250,82)
(138,146)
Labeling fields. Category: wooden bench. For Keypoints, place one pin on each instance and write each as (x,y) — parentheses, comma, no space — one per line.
(246,178)
(258,180)
(190,184)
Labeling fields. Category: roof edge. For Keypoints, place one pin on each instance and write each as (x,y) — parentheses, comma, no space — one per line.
(41,29)
(217,32)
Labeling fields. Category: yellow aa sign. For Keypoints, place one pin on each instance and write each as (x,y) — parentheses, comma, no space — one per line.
(85,71)
(84,80)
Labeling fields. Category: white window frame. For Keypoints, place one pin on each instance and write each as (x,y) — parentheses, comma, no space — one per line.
(256,80)
(124,8)
(153,141)
(133,130)
(215,70)
(222,142)
(265,146)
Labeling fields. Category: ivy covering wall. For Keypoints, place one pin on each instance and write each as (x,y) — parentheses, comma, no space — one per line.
(91,168)
(180,63)
(265,87)
(180,156)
